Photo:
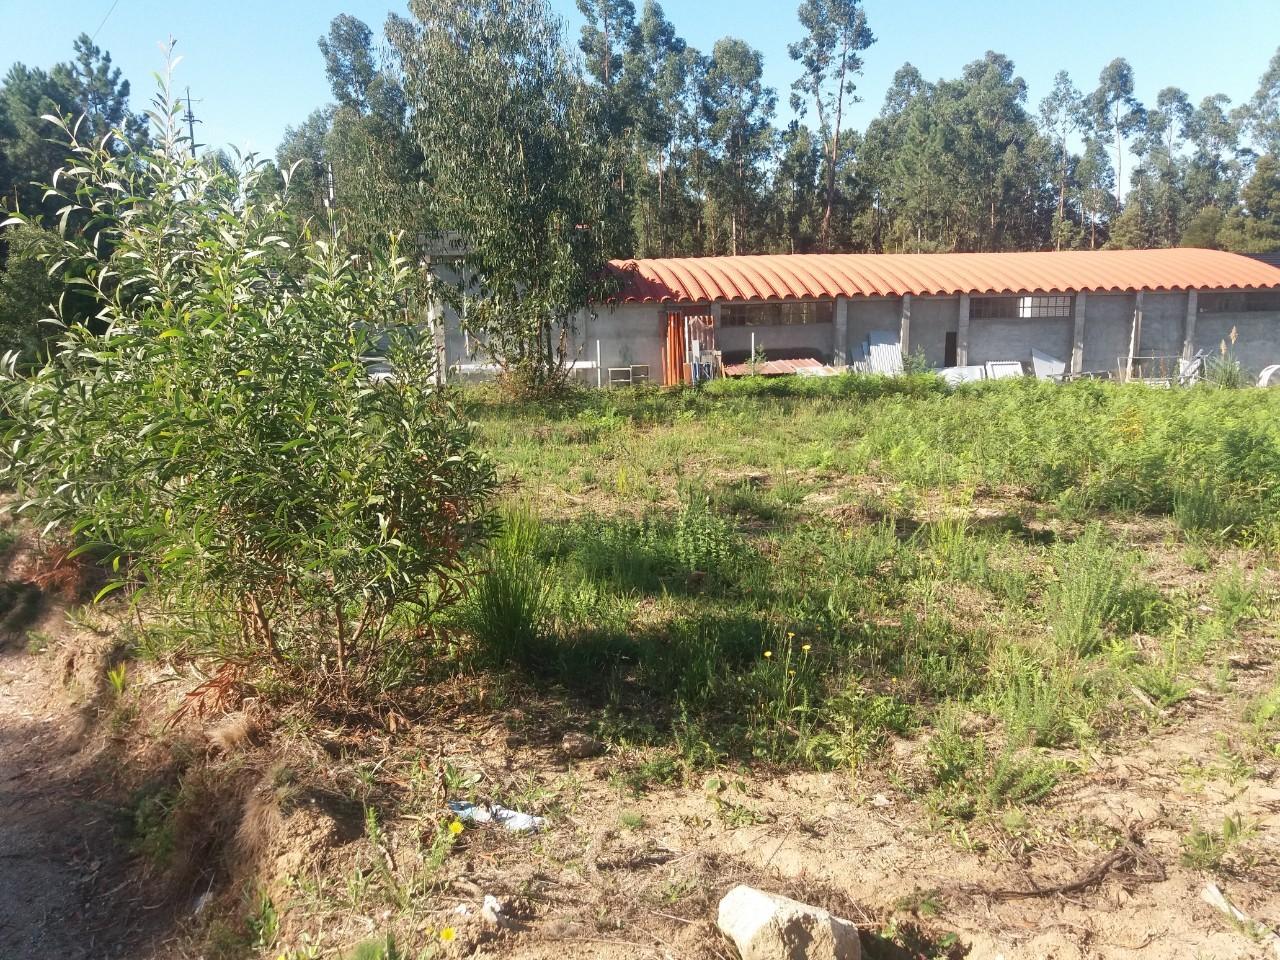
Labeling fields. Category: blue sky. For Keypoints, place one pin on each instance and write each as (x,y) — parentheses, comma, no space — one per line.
(255,69)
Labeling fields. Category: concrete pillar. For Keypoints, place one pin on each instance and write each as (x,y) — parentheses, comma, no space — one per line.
(962,333)
(840,334)
(1135,336)
(904,335)
(1189,327)
(435,323)
(1077,337)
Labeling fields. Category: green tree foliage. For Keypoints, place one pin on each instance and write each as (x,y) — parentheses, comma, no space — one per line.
(354,164)
(794,204)
(1060,114)
(1115,112)
(26,292)
(1254,227)
(695,164)
(89,93)
(221,441)
(959,164)
(518,162)
(1262,114)
(836,33)
(738,111)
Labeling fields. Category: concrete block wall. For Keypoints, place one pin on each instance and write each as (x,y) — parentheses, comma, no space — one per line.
(1108,322)
(631,333)
(1164,315)
(871,313)
(1013,339)
(1257,337)
(932,318)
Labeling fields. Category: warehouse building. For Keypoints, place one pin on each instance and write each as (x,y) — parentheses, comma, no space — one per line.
(1117,313)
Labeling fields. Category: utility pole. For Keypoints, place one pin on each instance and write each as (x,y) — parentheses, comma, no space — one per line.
(191,124)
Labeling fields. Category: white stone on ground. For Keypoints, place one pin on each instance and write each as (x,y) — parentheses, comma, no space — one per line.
(765,926)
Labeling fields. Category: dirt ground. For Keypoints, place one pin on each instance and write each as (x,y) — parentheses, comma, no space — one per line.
(1094,871)
(67,888)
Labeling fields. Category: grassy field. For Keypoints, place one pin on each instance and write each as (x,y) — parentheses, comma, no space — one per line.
(796,571)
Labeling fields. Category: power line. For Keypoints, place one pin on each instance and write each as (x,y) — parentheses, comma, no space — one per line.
(104,21)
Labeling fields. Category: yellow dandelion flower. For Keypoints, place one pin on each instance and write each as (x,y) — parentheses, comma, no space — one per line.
(455,827)
(791,673)
(790,635)
(768,653)
(448,933)
(807,647)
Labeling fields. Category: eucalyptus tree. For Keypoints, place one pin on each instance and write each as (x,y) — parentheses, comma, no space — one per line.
(794,198)
(958,164)
(516,160)
(662,77)
(1214,168)
(829,54)
(1115,112)
(354,164)
(1060,120)
(1262,114)
(608,35)
(1097,185)
(1254,225)
(738,110)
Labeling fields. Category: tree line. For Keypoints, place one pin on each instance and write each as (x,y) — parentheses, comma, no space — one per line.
(699,163)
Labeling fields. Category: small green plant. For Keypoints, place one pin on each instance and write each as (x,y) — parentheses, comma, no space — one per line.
(264,923)
(631,820)
(704,540)
(117,676)
(730,812)
(969,780)
(152,833)
(1224,370)
(381,948)
(916,363)
(1092,590)
(1207,849)
(1202,512)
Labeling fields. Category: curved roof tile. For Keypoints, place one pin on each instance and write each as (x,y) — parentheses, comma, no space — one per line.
(804,276)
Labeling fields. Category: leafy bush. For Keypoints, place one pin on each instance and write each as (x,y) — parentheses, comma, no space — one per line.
(220,441)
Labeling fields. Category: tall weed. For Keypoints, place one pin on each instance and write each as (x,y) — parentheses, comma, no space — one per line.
(508,605)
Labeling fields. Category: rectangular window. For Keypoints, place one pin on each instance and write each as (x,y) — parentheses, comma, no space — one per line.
(949,349)
(1262,300)
(776,314)
(1020,308)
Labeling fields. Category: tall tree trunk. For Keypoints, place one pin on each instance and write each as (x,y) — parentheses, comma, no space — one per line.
(1062,207)
(662,213)
(834,151)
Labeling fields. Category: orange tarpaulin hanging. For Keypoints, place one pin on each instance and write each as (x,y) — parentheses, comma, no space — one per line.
(674,356)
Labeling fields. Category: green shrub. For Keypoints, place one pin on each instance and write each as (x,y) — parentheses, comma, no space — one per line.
(704,541)
(218,438)
(1090,591)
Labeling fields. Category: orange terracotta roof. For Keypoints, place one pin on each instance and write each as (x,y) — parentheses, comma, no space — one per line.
(817,275)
